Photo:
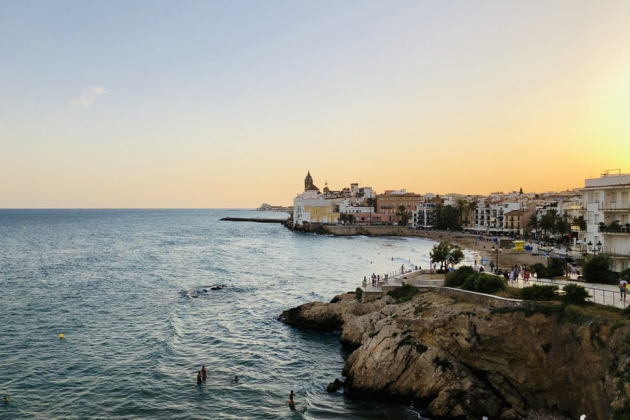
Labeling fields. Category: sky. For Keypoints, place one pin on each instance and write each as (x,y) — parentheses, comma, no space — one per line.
(228,104)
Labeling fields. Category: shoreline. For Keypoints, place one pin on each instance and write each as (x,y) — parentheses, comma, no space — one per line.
(468,242)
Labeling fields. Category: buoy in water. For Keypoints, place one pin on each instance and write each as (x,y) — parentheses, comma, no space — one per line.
(60,336)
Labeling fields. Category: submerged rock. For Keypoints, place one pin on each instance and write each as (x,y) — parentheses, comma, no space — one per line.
(462,360)
(334,386)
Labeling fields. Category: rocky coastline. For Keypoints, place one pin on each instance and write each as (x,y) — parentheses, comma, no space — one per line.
(463,360)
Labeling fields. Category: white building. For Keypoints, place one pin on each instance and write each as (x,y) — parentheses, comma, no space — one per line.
(607,203)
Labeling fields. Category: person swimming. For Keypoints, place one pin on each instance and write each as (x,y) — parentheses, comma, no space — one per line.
(199,378)
(291,402)
(236,379)
(203,372)
(6,399)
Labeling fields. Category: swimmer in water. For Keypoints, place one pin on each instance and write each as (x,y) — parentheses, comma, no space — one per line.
(199,378)
(291,402)
(203,372)
(6,399)
(236,379)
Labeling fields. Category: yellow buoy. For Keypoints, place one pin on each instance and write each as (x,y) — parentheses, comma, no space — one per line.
(60,335)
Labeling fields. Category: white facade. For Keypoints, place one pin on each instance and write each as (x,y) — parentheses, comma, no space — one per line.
(607,203)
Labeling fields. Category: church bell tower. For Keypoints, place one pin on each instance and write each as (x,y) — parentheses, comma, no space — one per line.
(308,181)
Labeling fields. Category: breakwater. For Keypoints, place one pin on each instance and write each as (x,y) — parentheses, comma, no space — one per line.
(252,219)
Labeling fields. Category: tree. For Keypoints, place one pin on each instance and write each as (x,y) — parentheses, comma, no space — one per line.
(372,204)
(548,221)
(556,267)
(580,222)
(461,205)
(472,208)
(533,224)
(448,218)
(404,217)
(597,270)
(444,253)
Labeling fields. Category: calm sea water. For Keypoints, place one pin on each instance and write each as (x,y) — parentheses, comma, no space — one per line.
(116,283)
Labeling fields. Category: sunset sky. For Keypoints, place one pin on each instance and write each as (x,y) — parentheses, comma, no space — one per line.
(215,104)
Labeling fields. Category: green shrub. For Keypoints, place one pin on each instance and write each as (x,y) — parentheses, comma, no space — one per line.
(404,293)
(622,413)
(537,292)
(539,269)
(574,294)
(556,267)
(597,270)
(615,327)
(484,283)
(457,277)
(358,294)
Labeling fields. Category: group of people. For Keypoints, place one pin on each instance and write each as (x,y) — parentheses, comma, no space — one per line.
(516,272)
(202,375)
(375,279)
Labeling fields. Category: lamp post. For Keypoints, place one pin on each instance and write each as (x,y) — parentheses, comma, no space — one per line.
(497,251)
(595,249)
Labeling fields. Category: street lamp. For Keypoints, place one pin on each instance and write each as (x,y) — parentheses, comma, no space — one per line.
(595,248)
(497,251)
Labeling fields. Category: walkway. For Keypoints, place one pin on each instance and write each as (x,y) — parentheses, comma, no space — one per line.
(603,294)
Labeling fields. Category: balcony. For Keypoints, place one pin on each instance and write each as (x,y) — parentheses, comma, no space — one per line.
(615,206)
(616,252)
(615,230)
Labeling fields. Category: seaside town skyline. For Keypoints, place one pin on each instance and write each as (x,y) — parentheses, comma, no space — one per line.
(218,105)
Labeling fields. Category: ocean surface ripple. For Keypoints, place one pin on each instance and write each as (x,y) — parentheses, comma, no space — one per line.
(117,284)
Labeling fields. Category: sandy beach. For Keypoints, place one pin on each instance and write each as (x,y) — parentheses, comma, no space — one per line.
(507,258)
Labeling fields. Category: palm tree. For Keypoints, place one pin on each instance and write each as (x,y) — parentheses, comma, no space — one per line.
(461,205)
(371,202)
(533,223)
(472,209)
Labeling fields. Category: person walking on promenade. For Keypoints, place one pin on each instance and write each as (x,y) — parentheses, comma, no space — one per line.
(623,287)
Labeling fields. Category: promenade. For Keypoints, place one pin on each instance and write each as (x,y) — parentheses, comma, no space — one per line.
(602,294)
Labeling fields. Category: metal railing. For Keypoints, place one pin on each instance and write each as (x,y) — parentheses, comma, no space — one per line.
(615,206)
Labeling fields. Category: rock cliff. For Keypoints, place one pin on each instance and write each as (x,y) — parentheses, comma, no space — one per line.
(462,360)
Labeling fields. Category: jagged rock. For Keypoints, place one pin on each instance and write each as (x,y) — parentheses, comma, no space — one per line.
(334,386)
(465,361)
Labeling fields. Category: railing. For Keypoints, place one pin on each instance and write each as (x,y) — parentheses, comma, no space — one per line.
(615,206)
(615,229)
(596,295)
(616,252)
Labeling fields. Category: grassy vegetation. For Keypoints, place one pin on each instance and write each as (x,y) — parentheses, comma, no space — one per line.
(404,293)
(566,313)
(574,294)
(622,413)
(616,326)
(410,341)
(484,283)
(358,294)
(536,292)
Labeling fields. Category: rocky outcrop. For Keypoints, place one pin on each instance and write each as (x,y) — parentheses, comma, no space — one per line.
(464,361)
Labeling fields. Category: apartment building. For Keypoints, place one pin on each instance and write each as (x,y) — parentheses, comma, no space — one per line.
(607,203)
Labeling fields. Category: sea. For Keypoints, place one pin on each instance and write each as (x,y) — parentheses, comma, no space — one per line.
(130,290)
